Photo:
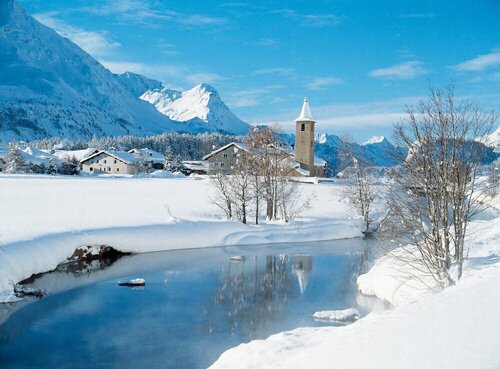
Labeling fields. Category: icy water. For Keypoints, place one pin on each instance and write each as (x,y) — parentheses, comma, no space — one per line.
(196,304)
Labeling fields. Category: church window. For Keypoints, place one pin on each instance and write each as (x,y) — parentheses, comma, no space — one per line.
(302,127)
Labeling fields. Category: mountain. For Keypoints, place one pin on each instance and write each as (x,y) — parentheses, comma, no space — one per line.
(377,151)
(137,84)
(381,153)
(200,108)
(51,87)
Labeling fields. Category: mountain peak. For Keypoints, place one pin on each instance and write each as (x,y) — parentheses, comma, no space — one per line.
(376,140)
(200,107)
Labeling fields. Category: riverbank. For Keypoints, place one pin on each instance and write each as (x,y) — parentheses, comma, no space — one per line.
(48,217)
(455,328)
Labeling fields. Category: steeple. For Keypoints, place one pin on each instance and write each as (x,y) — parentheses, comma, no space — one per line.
(305,113)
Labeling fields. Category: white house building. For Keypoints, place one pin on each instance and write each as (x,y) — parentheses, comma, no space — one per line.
(110,162)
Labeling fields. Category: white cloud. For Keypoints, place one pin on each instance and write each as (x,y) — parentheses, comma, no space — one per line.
(405,70)
(312,20)
(143,12)
(417,15)
(321,83)
(479,63)
(97,44)
(275,71)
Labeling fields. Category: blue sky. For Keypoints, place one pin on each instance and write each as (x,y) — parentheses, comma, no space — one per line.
(358,61)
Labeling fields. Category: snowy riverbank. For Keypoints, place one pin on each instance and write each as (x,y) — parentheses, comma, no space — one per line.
(455,328)
(47,218)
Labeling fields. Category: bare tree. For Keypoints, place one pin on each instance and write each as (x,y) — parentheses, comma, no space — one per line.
(240,188)
(358,188)
(435,190)
(222,198)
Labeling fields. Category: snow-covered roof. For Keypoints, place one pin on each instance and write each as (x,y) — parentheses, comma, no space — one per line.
(78,154)
(123,156)
(240,145)
(305,113)
(149,155)
(195,165)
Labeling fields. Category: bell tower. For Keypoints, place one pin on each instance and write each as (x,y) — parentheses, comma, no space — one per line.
(304,138)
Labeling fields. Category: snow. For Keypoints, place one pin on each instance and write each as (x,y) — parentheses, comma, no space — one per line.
(200,107)
(347,315)
(375,140)
(455,328)
(136,215)
(305,113)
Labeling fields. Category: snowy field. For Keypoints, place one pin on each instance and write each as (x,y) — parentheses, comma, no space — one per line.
(47,217)
(456,328)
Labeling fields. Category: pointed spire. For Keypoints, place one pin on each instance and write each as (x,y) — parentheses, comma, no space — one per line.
(305,113)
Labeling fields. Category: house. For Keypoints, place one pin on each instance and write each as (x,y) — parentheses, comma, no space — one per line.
(224,160)
(110,162)
(2,165)
(301,155)
(195,167)
(155,158)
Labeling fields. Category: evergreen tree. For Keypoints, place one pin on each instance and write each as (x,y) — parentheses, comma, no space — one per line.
(52,168)
(169,159)
(14,160)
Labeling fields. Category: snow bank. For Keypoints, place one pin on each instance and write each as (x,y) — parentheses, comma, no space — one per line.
(393,280)
(347,315)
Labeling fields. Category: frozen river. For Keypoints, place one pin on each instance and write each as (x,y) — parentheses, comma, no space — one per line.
(196,304)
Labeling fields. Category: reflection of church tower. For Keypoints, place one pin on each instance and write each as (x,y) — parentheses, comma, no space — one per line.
(302,266)
(304,138)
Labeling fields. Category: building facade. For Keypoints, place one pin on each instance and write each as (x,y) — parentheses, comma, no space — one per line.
(224,160)
(110,162)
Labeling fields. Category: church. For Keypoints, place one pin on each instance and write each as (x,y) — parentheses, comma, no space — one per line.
(303,161)
(304,143)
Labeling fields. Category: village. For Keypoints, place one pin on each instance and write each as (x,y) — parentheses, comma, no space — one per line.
(300,157)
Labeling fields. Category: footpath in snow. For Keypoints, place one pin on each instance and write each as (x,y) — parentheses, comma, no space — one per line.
(455,328)
(49,217)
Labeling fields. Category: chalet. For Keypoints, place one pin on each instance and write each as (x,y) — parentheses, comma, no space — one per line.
(224,160)
(155,158)
(110,162)
(194,167)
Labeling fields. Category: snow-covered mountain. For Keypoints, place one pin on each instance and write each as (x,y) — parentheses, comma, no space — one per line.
(381,153)
(49,86)
(200,108)
(137,84)
(377,151)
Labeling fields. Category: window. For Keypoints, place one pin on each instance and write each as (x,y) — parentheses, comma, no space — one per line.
(117,169)
(97,161)
(91,169)
(302,127)
(114,161)
(225,154)
(109,169)
(221,164)
(104,161)
(150,154)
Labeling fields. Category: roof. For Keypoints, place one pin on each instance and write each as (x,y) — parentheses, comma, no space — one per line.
(149,154)
(195,165)
(240,145)
(305,113)
(123,156)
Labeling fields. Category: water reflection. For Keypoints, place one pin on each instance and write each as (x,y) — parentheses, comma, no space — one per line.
(196,304)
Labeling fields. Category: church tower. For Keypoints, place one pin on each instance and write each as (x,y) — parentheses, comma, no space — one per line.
(304,138)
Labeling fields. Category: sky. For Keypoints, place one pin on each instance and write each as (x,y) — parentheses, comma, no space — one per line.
(359,62)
